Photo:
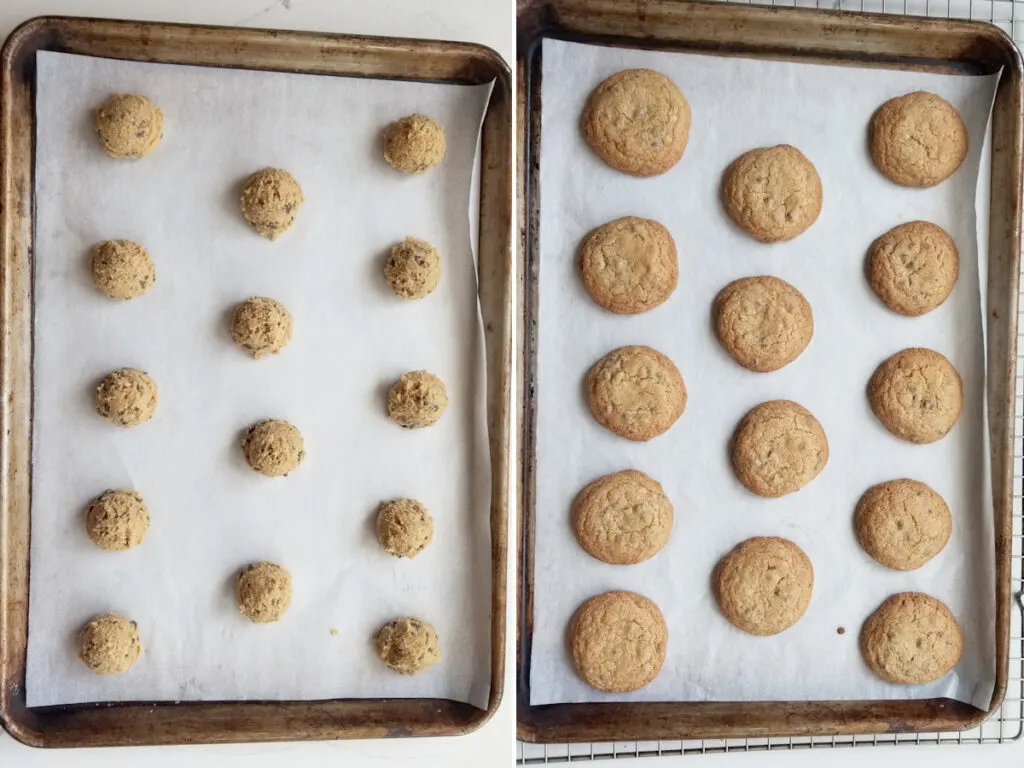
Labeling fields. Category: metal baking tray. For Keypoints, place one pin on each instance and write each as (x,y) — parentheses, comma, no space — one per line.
(168,722)
(798,35)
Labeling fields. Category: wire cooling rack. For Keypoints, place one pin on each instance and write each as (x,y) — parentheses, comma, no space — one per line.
(1008,723)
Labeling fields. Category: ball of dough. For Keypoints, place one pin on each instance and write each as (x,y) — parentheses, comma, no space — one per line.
(273,448)
(408,645)
(126,397)
(414,144)
(129,125)
(270,200)
(264,592)
(413,269)
(109,644)
(261,326)
(122,269)
(404,527)
(417,399)
(117,520)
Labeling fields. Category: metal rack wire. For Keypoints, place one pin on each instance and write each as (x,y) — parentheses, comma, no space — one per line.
(1008,723)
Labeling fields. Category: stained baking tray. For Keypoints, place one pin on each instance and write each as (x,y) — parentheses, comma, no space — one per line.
(798,35)
(166,722)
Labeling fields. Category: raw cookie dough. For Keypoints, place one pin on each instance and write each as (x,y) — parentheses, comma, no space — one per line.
(917,394)
(636,392)
(413,268)
(764,585)
(778,448)
(902,523)
(764,323)
(264,592)
(109,644)
(623,518)
(417,399)
(414,144)
(404,527)
(629,265)
(122,269)
(270,200)
(129,125)
(261,326)
(618,641)
(912,638)
(772,193)
(126,397)
(408,645)
(637,121)
(913,267)
(917,140)
(117,520)
(273,447)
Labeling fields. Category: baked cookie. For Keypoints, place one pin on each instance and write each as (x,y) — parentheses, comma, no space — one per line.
(764,323)
(772,193)
(404,527)
(126,397)
(913,267)
(637,121)
(109,644)
(902,523)
(629,265)
(623,518)
(764,585)
(414,144)
(636,392)
(417,400)
(618,641)
(778,448)
(261,326)
(917,140)
(917,394)
(273,447)
(122,269)
(413,269)
(408,645)
(912,638)
(129,125)
(117,520)
(270,200)
(264,592)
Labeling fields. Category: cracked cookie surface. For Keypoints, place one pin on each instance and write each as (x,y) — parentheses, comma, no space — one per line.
(902,523)
(618,641)
(623,518)
(778,448)
(763,322)
(913,267)
(917,140)
(912,638)
(917,394)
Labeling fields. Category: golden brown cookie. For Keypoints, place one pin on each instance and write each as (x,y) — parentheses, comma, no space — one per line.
(623,518)
(413,268)
(636,392)
(917,394)
(122,269)
(637,121)
(270,201)
(912,638)
(404,527)
(629,265)
(129,125)
(408,645)
(264,592)
(763,322)
(126,397)
(902,523)
(117,520)
(778,448)
(273,447)
(417,400)
(109,644)
(772,193)
(917,140)
(764,585)
(414,144)
(618,641)
(261,326)
(913,267)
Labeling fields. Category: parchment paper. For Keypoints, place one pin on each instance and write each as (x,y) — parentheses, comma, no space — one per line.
(739,104)
(210,513)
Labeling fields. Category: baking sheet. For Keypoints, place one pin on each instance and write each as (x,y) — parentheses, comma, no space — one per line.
(739,104)
(210,514)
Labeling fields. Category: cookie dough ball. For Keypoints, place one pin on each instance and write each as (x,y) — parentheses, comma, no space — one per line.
(778,448)
(404,527)
(413,268)
(270,200)
(122,269)
(264,592)
(637,121)
(129,125)
(126,397)
(417,399)
(917,394)
(117,520)
(902,524)
(917,140)
(414,144)
(109,644)
(261,326)
(912,639)
(623,518)
(913,267)
(764,323)
(273,448)
(408,645)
